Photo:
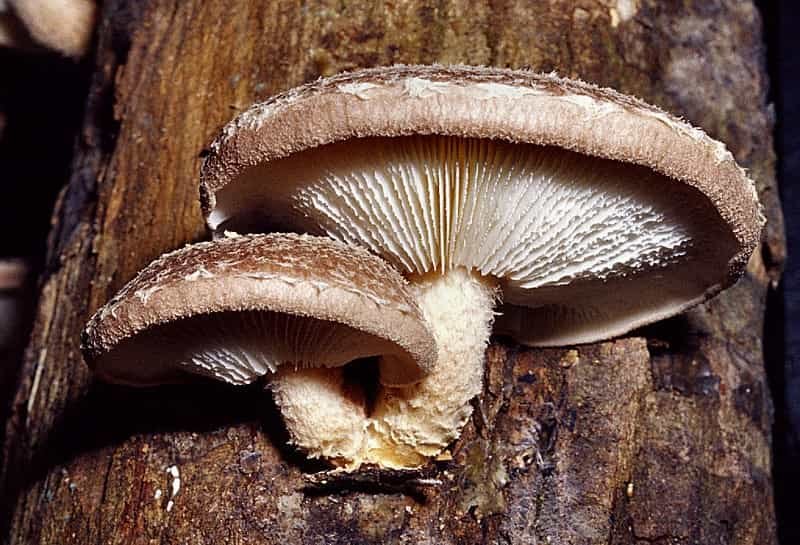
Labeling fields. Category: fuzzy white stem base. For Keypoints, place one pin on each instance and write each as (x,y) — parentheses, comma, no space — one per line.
(408,425)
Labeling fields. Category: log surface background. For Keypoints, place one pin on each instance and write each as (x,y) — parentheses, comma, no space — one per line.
(662,437)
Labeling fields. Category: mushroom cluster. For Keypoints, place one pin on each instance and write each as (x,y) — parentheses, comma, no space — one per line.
(408,208)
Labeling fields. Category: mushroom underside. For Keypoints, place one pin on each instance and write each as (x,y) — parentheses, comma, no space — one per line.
(584,248)
(237,348)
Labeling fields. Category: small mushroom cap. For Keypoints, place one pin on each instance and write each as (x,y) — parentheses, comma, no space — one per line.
(237,308)
(596,212)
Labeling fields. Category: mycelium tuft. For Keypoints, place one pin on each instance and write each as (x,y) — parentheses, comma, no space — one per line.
(589,213)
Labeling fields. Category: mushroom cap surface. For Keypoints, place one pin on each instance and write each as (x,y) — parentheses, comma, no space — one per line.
(640,215)
(236,308)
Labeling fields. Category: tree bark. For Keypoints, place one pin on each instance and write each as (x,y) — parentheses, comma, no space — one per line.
(661,437)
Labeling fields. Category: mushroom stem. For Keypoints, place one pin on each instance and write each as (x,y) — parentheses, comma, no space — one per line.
(321,415)
(409,424)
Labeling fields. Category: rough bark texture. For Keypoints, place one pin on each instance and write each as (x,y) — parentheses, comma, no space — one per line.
(661,437)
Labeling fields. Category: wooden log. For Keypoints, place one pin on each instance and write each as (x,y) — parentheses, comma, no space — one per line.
(659,437)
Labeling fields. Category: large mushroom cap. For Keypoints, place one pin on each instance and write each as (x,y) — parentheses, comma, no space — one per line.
(236,308)
(596,212)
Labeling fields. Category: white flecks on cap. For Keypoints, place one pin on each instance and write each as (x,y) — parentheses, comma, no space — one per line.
(359,89)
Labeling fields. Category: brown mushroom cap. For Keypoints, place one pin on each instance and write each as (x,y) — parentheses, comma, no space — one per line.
(236,308)
(640,214)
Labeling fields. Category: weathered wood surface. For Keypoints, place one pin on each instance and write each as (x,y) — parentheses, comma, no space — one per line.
(658,438)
